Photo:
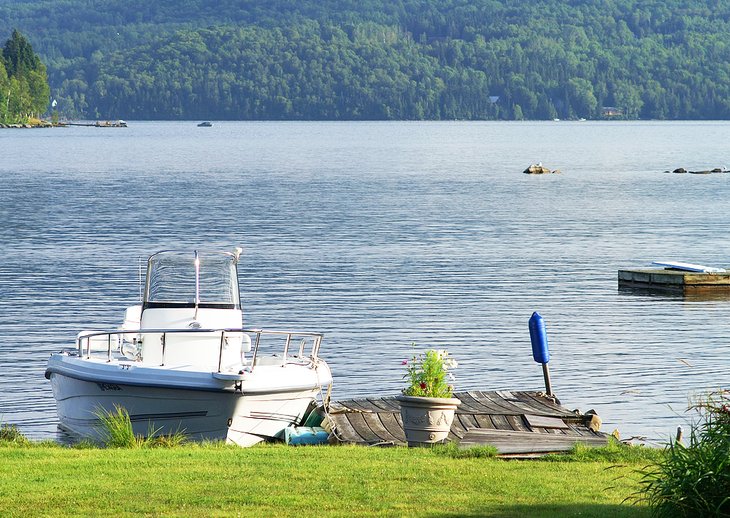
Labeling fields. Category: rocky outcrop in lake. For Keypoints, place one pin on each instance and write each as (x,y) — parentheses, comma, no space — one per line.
(682,170)
(540,169)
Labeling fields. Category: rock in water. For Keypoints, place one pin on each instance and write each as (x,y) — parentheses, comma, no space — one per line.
(538,169)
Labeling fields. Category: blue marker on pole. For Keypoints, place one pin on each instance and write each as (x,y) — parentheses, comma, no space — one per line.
(540,351)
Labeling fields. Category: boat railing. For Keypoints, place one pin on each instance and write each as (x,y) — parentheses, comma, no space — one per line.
(308,346)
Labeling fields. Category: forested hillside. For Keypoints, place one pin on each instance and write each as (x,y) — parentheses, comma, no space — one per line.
(381,59)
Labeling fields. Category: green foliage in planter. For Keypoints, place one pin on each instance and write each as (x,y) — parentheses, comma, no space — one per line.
(428,374)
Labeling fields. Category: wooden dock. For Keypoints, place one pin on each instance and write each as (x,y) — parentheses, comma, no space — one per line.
(99,124)
(676,281)
(516,423)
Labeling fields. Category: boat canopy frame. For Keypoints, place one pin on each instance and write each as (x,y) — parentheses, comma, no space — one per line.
(214,281)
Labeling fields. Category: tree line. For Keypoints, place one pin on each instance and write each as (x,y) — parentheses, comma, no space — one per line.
(383,59)
(24,90)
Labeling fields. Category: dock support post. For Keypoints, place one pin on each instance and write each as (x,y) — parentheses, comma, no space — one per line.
(546,375)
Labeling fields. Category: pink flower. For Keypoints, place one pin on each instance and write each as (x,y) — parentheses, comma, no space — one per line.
(404,362)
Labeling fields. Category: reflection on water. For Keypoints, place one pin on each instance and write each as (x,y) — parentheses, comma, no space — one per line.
(381,235)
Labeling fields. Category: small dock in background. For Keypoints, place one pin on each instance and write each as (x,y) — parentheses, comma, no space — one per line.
(675,280)
(518,424)
(99,124)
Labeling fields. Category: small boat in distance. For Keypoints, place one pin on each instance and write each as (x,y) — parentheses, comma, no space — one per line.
(205,124)
(182,362)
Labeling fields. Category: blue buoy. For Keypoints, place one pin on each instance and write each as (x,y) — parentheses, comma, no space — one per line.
(540,352)
(538,337)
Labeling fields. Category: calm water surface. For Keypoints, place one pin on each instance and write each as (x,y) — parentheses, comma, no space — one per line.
(380,235)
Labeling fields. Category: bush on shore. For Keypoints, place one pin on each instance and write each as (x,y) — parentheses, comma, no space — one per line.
(694,480)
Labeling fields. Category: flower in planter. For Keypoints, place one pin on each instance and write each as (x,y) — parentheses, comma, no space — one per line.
(428,374)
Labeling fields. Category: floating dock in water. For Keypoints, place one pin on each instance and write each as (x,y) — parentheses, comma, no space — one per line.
(674,280)
(516,423)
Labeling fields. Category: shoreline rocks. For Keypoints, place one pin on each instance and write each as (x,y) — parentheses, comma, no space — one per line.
(41,124)
(682,170)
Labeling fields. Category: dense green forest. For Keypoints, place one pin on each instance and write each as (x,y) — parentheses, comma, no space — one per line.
(382,59)
(24,87)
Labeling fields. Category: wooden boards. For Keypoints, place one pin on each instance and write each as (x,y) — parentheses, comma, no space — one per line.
(526,443)
(516,422)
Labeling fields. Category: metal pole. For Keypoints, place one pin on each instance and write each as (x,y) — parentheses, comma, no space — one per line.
(286,345)
(197,283)
(220,351)
(255,350)
(546,375)
(162,338)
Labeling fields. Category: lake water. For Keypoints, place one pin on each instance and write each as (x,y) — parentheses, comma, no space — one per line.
(379,235)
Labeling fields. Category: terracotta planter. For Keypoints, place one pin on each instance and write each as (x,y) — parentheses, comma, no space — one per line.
(427,420)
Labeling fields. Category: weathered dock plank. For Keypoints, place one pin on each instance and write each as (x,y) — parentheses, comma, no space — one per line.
(515,422)
(536,421)
(467,420)
(375,423)
(544,405)
(521,443)
(483,421)
(518,422)
(344,431)
(357,420)
(394,425)
(388,405)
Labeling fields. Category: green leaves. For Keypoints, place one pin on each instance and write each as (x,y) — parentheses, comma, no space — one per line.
(694,480)
(117,432)
(24,90)
(378,59)
(428,374)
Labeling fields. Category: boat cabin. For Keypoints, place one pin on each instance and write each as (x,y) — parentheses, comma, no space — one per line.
(190,301)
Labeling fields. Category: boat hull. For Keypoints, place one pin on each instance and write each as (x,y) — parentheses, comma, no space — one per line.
(243,412)
(197,414)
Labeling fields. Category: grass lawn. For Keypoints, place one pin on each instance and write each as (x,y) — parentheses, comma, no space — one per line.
(217,480)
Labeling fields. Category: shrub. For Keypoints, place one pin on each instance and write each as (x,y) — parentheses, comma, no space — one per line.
(694,480)
(11,434)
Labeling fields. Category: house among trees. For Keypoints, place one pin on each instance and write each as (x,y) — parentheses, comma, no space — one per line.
(611,111)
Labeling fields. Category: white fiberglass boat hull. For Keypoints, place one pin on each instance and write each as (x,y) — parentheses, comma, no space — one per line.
(240,408)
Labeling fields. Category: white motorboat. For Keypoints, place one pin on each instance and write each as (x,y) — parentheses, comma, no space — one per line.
(182,362)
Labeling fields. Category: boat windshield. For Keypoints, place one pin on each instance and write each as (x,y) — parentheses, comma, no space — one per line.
(190,279)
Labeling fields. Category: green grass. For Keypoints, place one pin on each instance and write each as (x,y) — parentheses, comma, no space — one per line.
(118,433)
(218,480)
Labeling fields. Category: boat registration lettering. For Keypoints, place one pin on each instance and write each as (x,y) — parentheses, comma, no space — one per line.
(108,386)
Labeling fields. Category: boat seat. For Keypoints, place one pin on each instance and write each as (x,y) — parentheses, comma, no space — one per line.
(270,360)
